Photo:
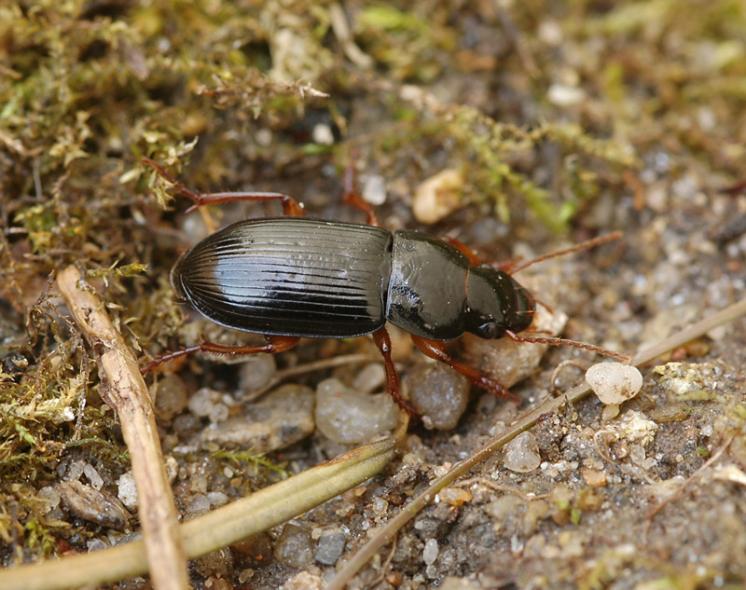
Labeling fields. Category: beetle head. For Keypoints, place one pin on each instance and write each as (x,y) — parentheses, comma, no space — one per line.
(496,303)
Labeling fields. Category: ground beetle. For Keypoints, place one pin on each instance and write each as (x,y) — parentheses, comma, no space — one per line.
(292,277)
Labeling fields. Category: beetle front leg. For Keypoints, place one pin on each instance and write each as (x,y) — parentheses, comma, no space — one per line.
(353,198)
(290,206)
(471,255)
(383,342)
(436,349)
(274,345)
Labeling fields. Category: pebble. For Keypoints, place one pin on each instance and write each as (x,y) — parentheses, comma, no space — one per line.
(330,546)
(293,548)
(350,417)
(507,361)
(609,412)
(614,383)
(438,196)
(217,499)
(370,378)
(253,551)
(565,96)
(322,134)
(208,403)
(92,505)
(170,397)
(256,372)
(438,393)
(374,189)
(51,498)
(281,419)
(593,477)
(430,552)
(522,453)
(94,478)
(127,491)
(198,504)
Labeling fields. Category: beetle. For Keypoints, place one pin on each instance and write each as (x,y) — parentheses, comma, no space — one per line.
(295,277)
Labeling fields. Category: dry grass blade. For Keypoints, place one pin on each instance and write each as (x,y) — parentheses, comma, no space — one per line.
(127,394)
(388,532)
(259,511)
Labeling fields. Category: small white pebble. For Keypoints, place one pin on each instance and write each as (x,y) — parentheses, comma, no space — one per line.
(614,383)
(370,378)
(374,189)
(322,134)
(430,552)
(94,478)
(198,504)
(565,96)
(127,491)
(217,498)
(74,471)
(208,402)
(522,453)
(438,196)
(350,417)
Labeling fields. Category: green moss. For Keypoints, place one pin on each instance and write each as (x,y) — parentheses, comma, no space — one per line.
(256,461)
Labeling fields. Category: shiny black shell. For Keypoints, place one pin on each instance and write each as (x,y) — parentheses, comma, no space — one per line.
(290,276)
(427,288)
(294,276)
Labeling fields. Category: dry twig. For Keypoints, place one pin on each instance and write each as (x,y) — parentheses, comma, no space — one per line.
(124,390)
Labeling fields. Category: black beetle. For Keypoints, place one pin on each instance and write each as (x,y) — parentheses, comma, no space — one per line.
(293,277)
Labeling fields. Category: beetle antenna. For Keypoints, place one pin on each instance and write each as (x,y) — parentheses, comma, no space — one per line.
(587,245)
(552,341)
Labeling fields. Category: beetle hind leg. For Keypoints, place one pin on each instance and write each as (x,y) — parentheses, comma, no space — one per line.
(274,345)
(290,206)
(436,349)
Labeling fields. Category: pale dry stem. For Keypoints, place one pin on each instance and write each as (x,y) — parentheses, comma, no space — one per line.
(125,391)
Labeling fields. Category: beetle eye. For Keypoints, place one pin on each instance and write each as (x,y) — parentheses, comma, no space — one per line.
(487,330)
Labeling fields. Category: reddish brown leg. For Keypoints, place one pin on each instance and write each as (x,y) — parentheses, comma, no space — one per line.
(508,265)
(351,197)
(436,349)
(274,345)
(474,258)
(383,342)
(290,206)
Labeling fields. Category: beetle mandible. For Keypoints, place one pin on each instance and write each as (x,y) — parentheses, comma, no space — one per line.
(294,277)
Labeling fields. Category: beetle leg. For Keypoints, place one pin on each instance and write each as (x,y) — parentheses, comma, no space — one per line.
(351,197)
(274,345)
(436,349)
(474,258)
(290,206)
(383,342)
